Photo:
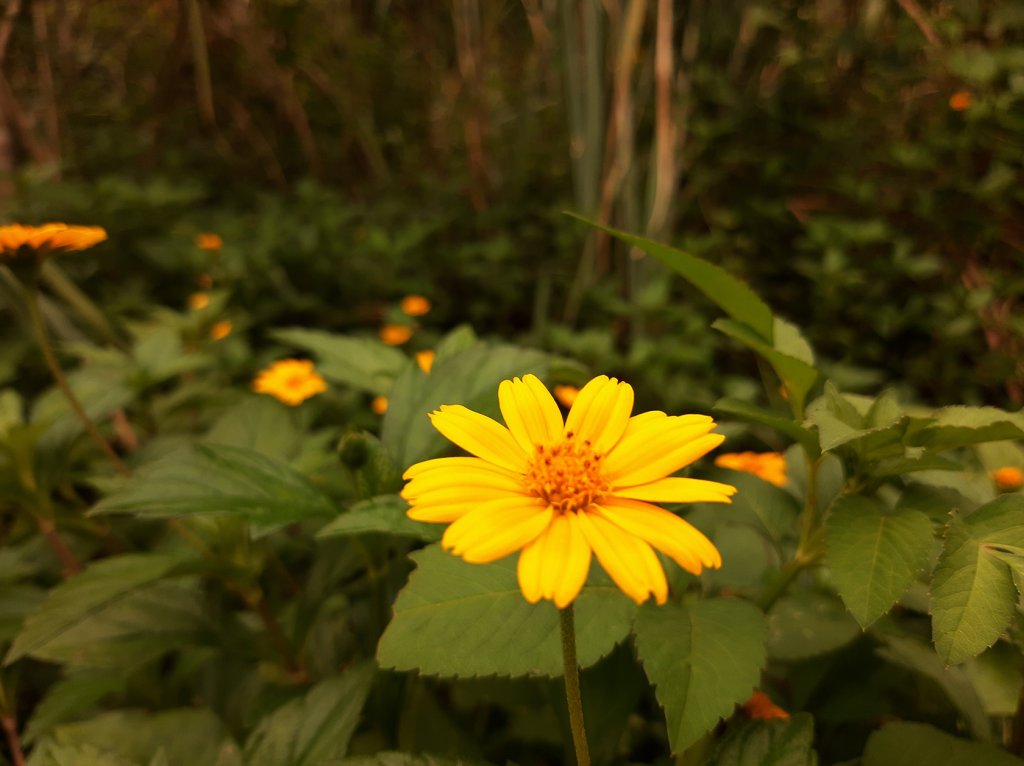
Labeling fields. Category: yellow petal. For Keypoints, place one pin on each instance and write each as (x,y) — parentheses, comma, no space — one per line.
(494,519)
(530,568)
(480,436)
(440,514)
(671,535)
(424,466)
(554,544)
(507,534)
(676,490)
(651,463)
(469,478)
(628,560)
(601,412)
(558,564)
(455,494)
(653,438)
(530,413)
(577,564)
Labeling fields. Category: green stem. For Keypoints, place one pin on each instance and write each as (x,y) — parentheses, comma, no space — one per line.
(39,326)
(572,686)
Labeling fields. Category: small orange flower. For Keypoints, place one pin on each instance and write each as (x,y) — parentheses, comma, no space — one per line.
(760,706)
(566,395)
(48,238)
(379,405)
(961,101)
(425,359)
(221,330)
(415,305)
(770,466)
(291,381)
(1008,478)
(209,241)
(198,301)
(395,334)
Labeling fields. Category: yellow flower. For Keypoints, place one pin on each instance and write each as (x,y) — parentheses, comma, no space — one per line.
(379,405)
(395,334)
(425,359)
(760,706)
(209,241)
(198,301)
(48,238)
(1008,478)
(770,466)
(415,305)
(961,101)
(559,491)
(566,394)
(221,330)
(291,381)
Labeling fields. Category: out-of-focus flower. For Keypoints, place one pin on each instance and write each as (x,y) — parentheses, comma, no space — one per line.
(415,305)
(1008,478)
(760,706)
(40,241)
(559,491)
(770,466)
(221,330)
(395,334)
(425,360)
(566,395)
(961,101)
(379,405)
(291,381)
(205,281)
(209,241)
(198,301)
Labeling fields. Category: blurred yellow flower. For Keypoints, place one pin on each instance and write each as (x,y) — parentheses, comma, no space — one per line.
(559,491)
(760,706)
(961,101)
(415,305)
(291,381)
(379,405)
(1008,478)
(198,301)
(48,238)
(221,330)
(395,334)
(209,241)
(566,394)
(770,466)
(425,359)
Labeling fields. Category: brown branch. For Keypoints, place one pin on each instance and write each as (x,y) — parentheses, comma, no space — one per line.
(69,564)
(7,24)
(44,73)
(13,740)
(915,12)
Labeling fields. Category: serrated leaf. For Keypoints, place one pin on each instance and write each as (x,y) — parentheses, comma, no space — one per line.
(86,597)
(751,413)
(973,593)
(758,503)
(703,659)
(874,553)
(469,377)
(459,619)
(808,624)
(384,514)
(362,363)
(315,727)
(214,479)
(767,743)
(952,427)
(911,744)
(732,296)
(260,424)
(876,431)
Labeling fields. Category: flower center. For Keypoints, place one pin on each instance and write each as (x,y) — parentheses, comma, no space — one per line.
(566,475)
(295,380)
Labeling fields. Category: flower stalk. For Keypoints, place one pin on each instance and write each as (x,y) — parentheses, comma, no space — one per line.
(572,685)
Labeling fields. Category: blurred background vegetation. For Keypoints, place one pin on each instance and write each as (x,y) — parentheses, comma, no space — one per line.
(857,161)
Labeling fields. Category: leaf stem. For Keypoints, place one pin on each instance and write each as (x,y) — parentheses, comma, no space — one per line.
(572,685)
(13,740)
(46,347)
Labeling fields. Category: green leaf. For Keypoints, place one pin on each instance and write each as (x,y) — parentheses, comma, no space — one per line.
(733,296)
(469,377)
(261,424)
(973,594)
(401,759)
(365,364)
(797,375)
(460,619)
(214,479)
(758,503)
(912,744)
(384,514)
(703,659)
(808,624)
(52,754)
(879,429)
(17,601)
(313,728)
(874,553)
(69,698)
(767,743)
(952,427)
(81,603)
(751,413)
